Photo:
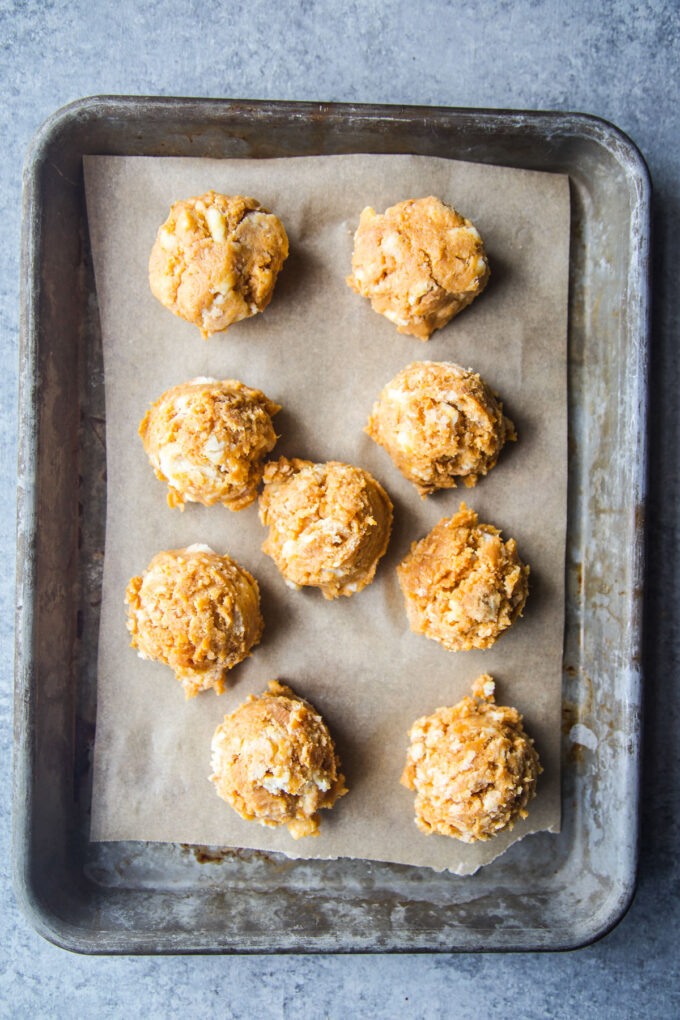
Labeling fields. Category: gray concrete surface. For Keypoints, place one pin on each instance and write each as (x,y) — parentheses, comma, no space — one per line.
(618,60)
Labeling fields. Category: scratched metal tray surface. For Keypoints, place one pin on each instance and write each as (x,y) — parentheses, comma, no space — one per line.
(546,892)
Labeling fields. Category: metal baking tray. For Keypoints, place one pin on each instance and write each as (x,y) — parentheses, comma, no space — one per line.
(546,892)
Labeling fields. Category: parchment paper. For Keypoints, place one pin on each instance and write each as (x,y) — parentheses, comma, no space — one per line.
(321,352)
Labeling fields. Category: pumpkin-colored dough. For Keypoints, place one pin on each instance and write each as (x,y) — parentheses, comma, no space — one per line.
(208,439)
(440,423)
(462,585)
(216,258)
(419,263)
(472,766)
(274,761)
(329,524)
(197,612)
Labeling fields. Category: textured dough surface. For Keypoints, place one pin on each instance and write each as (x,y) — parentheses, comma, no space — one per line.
(274,761)
(419,263)
(216,258)
(440,423)
(472,766)
(208,439)
(462,585)
(197,612)
(329,524)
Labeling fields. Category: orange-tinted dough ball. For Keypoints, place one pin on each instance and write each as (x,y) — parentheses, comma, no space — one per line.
(419,263)
(208,439)
(197,612)
(472,766)
(329,524)
(274,761)
(440,424)
(216,258)
(463,586)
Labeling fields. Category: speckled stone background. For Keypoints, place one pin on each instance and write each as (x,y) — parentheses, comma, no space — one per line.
(619,60)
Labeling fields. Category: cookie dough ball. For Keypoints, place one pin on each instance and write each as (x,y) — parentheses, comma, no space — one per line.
(463,586)
(208,440)
(216,258)
(472,766)
(197,612)
(274,761)
(419,263)
(440,422)
(329,524)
